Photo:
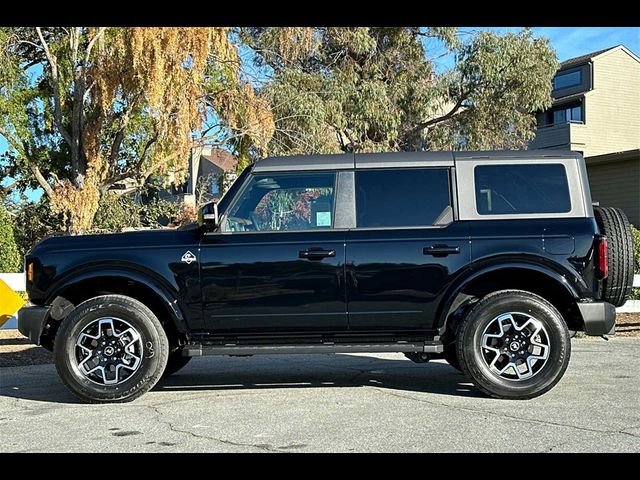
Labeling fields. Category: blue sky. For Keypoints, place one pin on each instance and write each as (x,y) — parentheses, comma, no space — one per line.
(567,41)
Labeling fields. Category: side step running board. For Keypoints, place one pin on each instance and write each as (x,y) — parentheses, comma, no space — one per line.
(196,350)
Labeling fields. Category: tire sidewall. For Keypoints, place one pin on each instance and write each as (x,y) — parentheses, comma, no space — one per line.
(559,346)
(154,350)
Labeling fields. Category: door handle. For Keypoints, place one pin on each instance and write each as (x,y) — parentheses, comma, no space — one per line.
(440,250)
(316,254)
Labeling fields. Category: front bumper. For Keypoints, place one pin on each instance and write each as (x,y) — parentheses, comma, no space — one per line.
(599,317)
(31,322)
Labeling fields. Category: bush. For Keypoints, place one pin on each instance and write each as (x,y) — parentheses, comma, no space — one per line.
(33,221)
(117,213)
(10,258)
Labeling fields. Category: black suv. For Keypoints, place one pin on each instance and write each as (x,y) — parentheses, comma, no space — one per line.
(487,259)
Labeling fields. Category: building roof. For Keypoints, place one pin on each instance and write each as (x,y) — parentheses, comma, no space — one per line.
(584,58)
(221,159)
(614,156)
(572,62)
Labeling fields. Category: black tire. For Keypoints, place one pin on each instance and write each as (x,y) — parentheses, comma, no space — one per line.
(152,341)
(613,223)
(451,356)
(470,351)
(175,362)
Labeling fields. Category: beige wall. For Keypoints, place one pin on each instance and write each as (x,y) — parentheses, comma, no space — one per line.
(612,108)
(617,184)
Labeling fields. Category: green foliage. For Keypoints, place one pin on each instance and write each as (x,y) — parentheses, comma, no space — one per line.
(378,89)
(116,213)
(34,221)
(10,259)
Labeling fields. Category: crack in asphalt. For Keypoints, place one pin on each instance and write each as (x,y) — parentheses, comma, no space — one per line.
(505,415)
(260,446)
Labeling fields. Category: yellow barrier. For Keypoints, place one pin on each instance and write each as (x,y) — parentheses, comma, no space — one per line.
(10,302)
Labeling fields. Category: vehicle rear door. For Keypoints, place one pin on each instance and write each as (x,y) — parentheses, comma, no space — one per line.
(406,248)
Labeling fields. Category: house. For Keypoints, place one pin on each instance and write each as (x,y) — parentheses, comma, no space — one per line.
(595,110)
(207,167)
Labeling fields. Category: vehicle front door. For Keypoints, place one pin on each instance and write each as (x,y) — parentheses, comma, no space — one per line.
(277,262)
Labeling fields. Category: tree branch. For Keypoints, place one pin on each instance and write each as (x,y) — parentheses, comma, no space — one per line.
(7,188)
(57,113)
(41,180)
(92,43)
(132,172)
(451,113)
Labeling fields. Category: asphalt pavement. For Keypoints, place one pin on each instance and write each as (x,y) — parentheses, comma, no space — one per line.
(327,403)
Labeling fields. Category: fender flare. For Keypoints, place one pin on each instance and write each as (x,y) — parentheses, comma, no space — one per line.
(169,299)
(473,274)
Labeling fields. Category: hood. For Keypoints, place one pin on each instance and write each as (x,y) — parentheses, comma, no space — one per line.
(155,237)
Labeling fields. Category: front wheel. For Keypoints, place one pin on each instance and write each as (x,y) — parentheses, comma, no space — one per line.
(110,349)
(513,344)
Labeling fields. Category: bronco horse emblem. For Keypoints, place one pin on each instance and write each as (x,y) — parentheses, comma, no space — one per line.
(188,257)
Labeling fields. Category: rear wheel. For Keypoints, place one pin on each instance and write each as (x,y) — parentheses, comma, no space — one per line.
(110,349)
(513,344)
(613,223)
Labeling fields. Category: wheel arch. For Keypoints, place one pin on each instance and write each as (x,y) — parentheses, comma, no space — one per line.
(538,279)
(75,289)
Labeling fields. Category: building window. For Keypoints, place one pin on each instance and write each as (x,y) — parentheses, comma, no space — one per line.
(567,79)
(215,187)
(569,113)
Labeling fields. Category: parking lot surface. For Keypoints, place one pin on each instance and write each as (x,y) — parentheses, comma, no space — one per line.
(322,403)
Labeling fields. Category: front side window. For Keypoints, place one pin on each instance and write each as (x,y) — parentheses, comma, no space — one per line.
(521,189)
(402,198)
(281,202)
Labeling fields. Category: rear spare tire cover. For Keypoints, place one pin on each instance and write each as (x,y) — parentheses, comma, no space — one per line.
(613,223)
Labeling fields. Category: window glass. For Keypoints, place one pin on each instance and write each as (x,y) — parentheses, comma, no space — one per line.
(215,186)
(566,80)
(402,198)
(576,114)
(559,116)
(514,189)
(567,113)
(283,202)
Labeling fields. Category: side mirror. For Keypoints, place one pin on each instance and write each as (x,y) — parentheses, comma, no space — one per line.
(208,216)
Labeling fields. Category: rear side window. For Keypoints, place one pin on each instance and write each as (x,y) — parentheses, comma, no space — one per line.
(515,189)
(402,198)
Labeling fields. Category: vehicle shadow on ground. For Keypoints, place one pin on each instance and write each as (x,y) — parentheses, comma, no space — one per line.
(272,372)
(330,371)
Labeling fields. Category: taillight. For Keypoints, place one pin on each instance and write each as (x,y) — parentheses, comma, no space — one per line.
(603,261)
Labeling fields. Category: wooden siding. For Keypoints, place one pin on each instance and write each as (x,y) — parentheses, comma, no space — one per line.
(617,184)
(555,136)
(612,108)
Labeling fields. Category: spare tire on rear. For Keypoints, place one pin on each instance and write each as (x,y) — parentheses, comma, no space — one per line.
(613,223)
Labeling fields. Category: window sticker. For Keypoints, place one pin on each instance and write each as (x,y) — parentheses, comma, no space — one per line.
(323,219)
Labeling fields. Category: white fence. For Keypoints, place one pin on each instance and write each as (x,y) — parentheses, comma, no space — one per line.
(16,281)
